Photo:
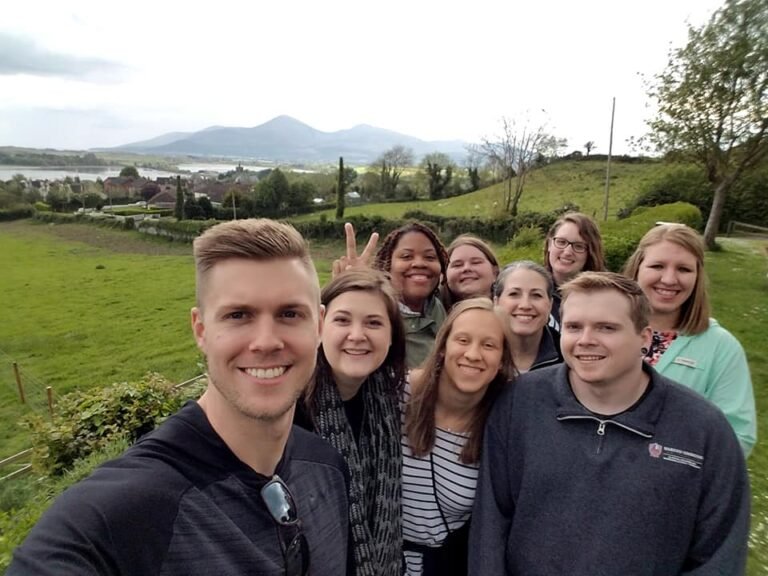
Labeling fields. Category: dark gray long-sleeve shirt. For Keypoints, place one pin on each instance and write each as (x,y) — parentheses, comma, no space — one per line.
(661,489)
(181,503)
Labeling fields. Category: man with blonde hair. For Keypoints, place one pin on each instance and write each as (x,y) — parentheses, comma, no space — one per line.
(601,465)
(226,485)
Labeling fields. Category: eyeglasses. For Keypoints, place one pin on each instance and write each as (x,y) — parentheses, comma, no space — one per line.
(562,244)
(282,507)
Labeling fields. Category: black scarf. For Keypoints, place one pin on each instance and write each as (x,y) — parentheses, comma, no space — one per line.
(374,463)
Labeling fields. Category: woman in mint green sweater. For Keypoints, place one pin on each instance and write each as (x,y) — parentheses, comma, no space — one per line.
(688,346)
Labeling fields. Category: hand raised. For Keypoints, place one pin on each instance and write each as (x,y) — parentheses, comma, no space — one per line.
(352,259)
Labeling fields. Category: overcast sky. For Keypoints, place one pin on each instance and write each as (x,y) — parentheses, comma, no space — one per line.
(79,74)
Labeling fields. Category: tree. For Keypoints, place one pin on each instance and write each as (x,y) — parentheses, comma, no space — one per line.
(713,100)
(149,190)
(589,146)
(192,209)
(438,169)
(350,175)
(129,172)
(271,194)
(57,197)
(514,153)
(178,209)
(390,165)
(341,186)
(206,208)
(299,197)
(474,160)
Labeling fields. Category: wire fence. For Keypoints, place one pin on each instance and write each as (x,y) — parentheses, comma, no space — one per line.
(22,393)
(31,394)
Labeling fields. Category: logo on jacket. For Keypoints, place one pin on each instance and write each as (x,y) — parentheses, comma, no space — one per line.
(655,449)
(675,455)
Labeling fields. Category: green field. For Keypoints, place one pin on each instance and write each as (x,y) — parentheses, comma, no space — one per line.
(85,306)
(77,315)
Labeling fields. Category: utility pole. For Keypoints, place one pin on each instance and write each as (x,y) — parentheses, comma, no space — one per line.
(608,166)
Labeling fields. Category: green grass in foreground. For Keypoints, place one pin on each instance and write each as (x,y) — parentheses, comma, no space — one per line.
(739,289)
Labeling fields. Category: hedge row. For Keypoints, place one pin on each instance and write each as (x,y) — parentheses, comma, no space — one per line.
(103,221)
(619,237)
(16,213)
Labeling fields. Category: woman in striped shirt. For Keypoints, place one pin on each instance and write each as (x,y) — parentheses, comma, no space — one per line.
(447,402)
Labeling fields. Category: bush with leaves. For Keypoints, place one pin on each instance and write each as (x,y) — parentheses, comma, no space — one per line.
(528,236)
(85,421)
(746,202)
(17,212)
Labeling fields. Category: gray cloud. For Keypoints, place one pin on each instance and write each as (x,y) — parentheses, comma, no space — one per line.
(19,55)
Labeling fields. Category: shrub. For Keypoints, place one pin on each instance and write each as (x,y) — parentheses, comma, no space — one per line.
(528,236)
(86,421)
(620,237)
(746,202)
(17,212)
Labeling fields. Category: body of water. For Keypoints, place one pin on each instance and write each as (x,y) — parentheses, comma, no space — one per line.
(85,172)
(103,172)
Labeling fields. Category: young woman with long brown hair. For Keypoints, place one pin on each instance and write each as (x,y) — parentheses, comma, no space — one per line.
(447,403)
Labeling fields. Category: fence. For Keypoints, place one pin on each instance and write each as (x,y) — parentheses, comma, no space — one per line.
(743,229)
(21,467)
(29,392)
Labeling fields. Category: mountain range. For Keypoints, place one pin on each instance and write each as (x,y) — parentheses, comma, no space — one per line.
(285,139)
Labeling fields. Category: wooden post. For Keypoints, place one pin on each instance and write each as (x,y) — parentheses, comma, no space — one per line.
(18,383)
(49,391)
(608,165)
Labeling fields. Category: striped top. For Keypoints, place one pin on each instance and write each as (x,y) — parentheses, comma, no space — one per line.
(438,492)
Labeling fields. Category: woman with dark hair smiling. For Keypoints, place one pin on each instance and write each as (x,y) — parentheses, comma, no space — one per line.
(353,403)
(416,261)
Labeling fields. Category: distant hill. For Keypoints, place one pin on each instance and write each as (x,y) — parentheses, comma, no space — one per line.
(285,139)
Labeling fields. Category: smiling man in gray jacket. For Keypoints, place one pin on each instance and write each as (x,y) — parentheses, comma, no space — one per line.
(601,466)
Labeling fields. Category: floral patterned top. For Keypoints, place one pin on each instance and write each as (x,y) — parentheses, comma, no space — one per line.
(660,341)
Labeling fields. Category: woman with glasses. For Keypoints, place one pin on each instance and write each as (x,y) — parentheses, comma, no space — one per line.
(524,290)
(447,402)
(353,403)
(472,270)
(573,245)
(687,345)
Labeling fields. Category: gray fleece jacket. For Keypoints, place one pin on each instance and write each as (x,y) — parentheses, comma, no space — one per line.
(661,489)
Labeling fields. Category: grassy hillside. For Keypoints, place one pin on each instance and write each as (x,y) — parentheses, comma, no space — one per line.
(581,183)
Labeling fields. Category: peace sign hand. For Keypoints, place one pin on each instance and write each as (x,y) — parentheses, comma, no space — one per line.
(352,260)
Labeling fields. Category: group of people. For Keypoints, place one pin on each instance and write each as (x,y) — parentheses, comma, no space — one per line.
(429,412)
